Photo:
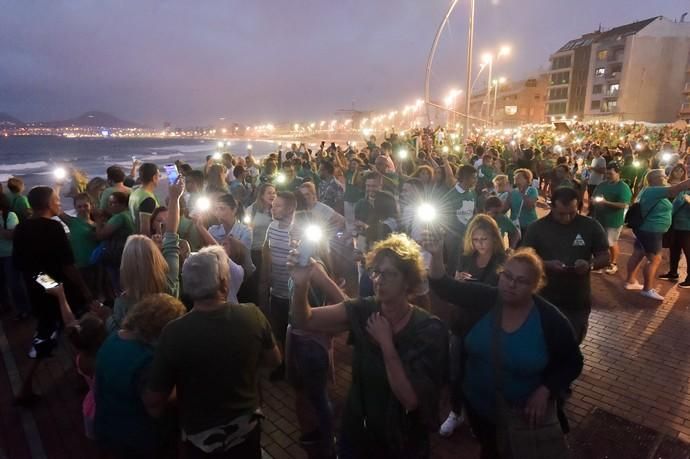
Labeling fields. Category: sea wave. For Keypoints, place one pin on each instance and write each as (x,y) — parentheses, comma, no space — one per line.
(157,157)
(183,148)
(22,166)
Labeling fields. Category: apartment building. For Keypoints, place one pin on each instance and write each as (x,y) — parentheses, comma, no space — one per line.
(516,102)
(637,71)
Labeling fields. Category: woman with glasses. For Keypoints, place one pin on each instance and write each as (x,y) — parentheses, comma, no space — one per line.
(399,356)
(539,355)
(657,214)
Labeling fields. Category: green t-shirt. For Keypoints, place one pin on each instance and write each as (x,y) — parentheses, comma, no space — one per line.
(216,378)
(486,174)
(19,204)
(136,197)
(461,206)
(81,237)
(123,222)
(505,225)
(518,211)
(188,231)
(657,218)
(581,239)
(6,244)
(611,217)
(632,175)
(353,192)
(103,204)
(681,212)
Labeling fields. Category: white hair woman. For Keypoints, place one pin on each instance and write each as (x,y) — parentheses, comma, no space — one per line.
(657,215)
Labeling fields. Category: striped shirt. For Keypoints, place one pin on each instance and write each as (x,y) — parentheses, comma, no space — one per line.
(279,245)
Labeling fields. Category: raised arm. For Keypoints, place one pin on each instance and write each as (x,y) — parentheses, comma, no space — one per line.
(326,319)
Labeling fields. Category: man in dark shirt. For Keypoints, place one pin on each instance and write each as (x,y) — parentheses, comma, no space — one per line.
(571,245)
(41,246)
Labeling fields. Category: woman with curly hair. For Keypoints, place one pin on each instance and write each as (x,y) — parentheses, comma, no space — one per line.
(123,427)
(399,355)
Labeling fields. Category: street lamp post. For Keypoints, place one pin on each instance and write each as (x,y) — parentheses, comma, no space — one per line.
(468,82)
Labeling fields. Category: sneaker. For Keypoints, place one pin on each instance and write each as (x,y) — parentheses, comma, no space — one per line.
(684,284)
(452,422)
(653,294)
(598,271)
(669,276)
(633,286)
(612,269)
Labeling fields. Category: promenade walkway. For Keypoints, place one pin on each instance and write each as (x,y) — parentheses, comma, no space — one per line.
(631,401)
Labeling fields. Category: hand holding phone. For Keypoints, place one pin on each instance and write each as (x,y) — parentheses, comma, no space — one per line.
(172,172)
(46,281)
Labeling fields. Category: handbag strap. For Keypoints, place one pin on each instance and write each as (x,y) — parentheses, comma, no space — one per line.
(644,217)
(496,353)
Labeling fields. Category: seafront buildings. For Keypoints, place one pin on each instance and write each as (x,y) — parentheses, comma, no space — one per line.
(638,71)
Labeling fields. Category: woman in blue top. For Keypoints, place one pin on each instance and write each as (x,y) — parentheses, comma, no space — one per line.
(523,199)
(123,427)
(539,356)
(657,212)
(681,238)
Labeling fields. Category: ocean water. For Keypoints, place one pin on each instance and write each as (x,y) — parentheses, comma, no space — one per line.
(34,158)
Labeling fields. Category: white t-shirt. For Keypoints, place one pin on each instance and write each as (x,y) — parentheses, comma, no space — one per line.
(595,178)
(236,279)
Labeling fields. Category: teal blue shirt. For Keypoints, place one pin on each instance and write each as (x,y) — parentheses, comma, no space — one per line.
(122,421)
(523,359)
(681,212)
(657,217)
(518,211)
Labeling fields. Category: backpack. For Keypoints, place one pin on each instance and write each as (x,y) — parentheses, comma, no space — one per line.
(634,218)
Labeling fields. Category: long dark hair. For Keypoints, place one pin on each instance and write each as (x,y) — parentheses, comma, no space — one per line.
(232,203)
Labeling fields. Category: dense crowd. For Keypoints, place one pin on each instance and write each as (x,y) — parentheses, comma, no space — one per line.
(174,306)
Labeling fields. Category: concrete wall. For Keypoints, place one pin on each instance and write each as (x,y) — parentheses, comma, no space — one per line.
(654,74)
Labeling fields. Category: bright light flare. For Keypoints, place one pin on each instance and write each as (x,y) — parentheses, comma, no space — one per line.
(203,204)
(313,233)
(60,173)
(598,199)
(666,157)
(426,212)
(250,147)
(281,178)
(220,144)
(247,219)
(217,156)
(402,154)
(636,163)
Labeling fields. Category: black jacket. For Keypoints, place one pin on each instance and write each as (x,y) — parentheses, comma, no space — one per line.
(476,300)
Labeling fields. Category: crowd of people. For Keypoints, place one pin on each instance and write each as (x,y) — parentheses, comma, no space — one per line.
(174,303)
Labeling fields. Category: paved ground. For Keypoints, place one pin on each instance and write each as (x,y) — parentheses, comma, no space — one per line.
(636,377)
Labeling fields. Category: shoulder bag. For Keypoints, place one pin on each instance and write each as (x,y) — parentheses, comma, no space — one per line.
(634,218)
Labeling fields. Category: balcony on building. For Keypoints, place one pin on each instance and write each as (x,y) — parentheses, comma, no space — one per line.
(685,109)
(686,88)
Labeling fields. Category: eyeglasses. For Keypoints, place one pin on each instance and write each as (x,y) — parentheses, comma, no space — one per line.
(384,275)
(511,278)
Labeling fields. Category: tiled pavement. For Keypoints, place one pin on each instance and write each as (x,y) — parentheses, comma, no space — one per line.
(636,367)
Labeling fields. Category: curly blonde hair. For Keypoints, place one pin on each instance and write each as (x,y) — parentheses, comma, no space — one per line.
(405,254)
(148,317)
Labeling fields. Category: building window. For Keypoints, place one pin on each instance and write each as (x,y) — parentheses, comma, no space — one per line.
(557,108)
(560,78)
(609,106)
(602,55)
(596,89)
(558,93)
(600,72)
(613,89)
(562,62)
(596,104)
(615,69)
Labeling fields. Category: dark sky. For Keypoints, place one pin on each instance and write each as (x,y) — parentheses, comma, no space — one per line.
(267,60)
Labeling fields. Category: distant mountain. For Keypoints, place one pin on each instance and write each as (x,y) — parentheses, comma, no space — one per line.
(9,121)
(92,119)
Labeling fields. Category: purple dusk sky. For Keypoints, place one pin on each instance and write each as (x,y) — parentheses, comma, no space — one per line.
(268,60)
